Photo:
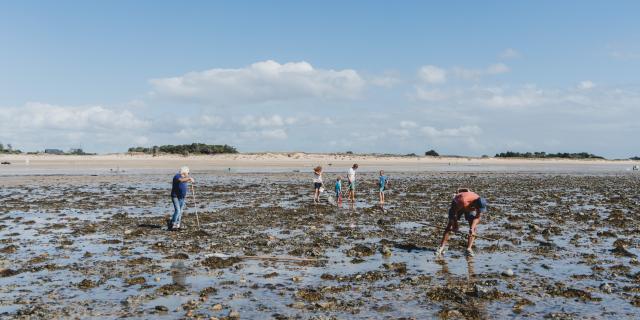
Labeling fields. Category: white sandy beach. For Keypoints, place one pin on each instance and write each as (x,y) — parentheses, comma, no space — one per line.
(69,164)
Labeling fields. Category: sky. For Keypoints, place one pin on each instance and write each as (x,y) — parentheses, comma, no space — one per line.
(461,77)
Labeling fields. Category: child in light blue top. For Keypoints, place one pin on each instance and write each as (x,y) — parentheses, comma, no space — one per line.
(339,191)
(382,184)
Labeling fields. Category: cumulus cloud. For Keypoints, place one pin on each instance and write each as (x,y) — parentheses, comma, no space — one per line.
(36,126)
(384,81)
(462,131)
(475,74)
(624,55)
(250,121)
(261,82)
(509,53)
(35,116)
(432,74)
(273,134)
(586,85)
(501,98)
(408,124)
(402,133)
(430,94)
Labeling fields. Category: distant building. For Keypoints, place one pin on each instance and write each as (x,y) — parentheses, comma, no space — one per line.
(53,151)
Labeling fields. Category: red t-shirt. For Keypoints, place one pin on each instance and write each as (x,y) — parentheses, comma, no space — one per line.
(463,200)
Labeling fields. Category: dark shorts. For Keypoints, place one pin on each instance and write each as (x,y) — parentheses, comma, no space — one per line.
(468,215)
(317,185)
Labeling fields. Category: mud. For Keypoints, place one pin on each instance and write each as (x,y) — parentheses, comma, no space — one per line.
(554,246)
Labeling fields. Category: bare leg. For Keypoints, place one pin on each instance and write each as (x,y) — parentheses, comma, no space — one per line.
(352,198)
(452,225)
(473,229)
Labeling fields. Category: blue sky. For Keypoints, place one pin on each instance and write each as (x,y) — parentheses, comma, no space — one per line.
(462,77)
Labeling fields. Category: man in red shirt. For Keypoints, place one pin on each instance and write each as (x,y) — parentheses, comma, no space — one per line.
(472,206)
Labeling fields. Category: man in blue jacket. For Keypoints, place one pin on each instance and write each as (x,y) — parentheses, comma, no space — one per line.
(178,195)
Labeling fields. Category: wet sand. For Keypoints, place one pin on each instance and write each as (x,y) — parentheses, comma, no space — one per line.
(92,243)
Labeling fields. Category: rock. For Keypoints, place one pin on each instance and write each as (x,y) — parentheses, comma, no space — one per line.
(216,307)
(234,314)
(162,308)
(508,273)
(385,251)
(621,250)
(8,273)
(136,280)
(298,305)
(208,291)
(220,263)
(480,291)
(399,267)
(86,284)
(605,287)
(360,250)
(309,294)
(9,249)
(178,256)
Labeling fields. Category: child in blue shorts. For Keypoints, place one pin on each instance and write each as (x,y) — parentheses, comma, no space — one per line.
(383,181)
(339,191)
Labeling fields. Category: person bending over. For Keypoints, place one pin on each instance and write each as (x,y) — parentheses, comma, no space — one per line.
(472,206)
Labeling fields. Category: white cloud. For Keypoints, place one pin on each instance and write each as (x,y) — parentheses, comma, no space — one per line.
(403,133)
(141,141)
(462,131)
(624,55)
(35,116)
(586,85)
(251,121)
(432,74)
(408,124)
(500,98)
(476,74)
(384,81)
(211,120)
(261,82)
(430,94)
(497,68)
(509,53)
(274,134)
(36,126)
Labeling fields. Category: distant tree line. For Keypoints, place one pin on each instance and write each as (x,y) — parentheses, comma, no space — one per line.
(432,153)
(8,149)
(184,149)
(564,155)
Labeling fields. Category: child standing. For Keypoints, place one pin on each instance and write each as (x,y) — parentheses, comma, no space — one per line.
(317,183)
(382,184)
(339,191)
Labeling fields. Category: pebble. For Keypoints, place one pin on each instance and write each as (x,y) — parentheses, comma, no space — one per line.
(162,308)
(605,287)
(480,291)
(217,307)
(234,314)
(508,273)
(157,279)
(385,251)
